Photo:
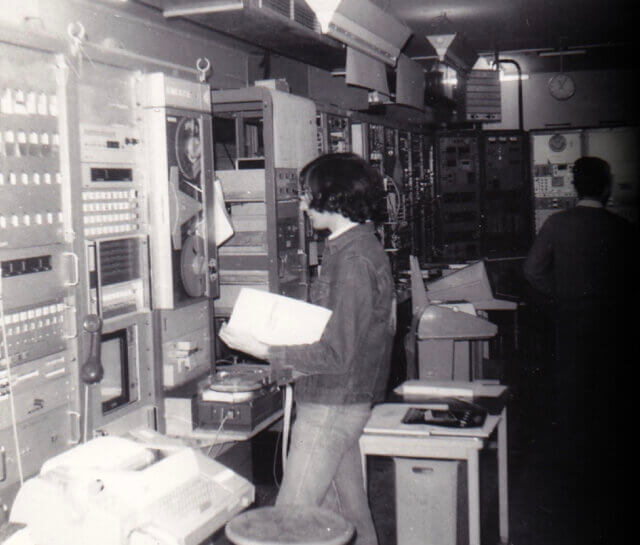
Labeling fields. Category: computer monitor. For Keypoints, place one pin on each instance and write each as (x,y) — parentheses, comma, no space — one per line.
(115,385)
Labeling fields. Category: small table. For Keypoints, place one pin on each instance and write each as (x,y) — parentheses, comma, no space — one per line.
(290,525)
(386,435)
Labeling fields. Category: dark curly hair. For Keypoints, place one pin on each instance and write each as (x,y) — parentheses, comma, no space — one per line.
(344,183)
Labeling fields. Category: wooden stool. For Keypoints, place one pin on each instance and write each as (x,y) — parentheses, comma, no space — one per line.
(290,525)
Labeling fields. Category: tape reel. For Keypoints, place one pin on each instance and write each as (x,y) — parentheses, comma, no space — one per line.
(193,266)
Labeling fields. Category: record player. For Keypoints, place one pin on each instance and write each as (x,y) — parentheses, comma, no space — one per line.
(237,397)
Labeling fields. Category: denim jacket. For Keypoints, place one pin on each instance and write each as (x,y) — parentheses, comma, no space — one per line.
(350,363)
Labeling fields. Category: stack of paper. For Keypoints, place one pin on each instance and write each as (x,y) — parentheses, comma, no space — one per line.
(276,319)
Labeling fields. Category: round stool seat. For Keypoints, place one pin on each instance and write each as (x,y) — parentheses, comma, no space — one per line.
(289,525)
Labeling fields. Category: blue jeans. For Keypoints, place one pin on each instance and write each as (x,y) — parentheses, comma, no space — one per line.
(324,465)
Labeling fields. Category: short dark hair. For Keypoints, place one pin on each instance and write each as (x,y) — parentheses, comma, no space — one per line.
(344,183)
(591,177)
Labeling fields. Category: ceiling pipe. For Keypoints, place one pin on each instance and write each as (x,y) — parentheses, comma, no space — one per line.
(497,62)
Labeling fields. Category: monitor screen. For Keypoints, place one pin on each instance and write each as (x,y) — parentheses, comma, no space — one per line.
(114,387)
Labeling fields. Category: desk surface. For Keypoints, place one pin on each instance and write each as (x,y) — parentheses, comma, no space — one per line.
(386,419)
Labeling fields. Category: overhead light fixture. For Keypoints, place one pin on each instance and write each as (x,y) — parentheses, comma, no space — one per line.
(451,47)
(453,80)
(363,26)
(561,53)
(512,77)
(201,8)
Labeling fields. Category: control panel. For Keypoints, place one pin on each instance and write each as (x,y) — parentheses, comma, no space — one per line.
(458,193)
(507,225)
(39,271)
(553,155)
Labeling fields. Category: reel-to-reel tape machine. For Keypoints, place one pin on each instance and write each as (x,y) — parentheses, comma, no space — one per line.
(183,251)
(184,275)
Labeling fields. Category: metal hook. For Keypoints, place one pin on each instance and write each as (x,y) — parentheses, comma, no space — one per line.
(76,32)
(203,66)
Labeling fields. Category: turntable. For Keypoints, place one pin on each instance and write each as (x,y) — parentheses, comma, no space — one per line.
(236,398)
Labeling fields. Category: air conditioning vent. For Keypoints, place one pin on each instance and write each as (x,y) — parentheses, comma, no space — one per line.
(304,15)
(295,10)
(283,7)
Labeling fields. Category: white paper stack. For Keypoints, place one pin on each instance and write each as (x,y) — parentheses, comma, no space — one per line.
(276,319)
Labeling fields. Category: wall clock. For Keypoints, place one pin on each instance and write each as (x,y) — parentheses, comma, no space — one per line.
(561,86)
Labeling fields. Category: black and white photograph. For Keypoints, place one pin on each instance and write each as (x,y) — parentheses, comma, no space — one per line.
(318,272)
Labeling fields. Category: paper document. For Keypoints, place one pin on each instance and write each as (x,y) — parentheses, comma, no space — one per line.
(222,221)
(444,388)
(434,388)
(276,319)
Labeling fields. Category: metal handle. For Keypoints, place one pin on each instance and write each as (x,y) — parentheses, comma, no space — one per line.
(76,262)
(78,428)
(3,456)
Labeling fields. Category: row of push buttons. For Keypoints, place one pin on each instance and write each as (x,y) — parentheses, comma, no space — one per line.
(35,179)
(27,220)
(109,195)
(17,101)
(46,312)
(107,206)
(19,144)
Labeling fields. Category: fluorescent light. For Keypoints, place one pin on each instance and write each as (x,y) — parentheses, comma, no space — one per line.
(512,77)
(202,8)
(452,80)
(562,53)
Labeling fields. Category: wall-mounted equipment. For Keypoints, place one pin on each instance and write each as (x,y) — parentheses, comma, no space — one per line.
(478,97)
(552,156)
(554,152)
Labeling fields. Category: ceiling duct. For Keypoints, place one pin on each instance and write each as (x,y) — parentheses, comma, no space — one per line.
(363,26)
(287,27)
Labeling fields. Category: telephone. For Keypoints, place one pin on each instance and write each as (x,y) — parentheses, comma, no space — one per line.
(116,491)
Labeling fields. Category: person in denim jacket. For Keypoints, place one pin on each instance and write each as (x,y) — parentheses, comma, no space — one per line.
(341,376)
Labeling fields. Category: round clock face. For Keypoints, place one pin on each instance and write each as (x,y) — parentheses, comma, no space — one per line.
(562,87)
(557,143)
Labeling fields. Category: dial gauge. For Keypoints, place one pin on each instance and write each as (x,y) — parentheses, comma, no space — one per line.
(557,143)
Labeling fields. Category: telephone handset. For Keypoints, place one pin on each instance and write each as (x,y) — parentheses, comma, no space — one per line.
(92,371)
